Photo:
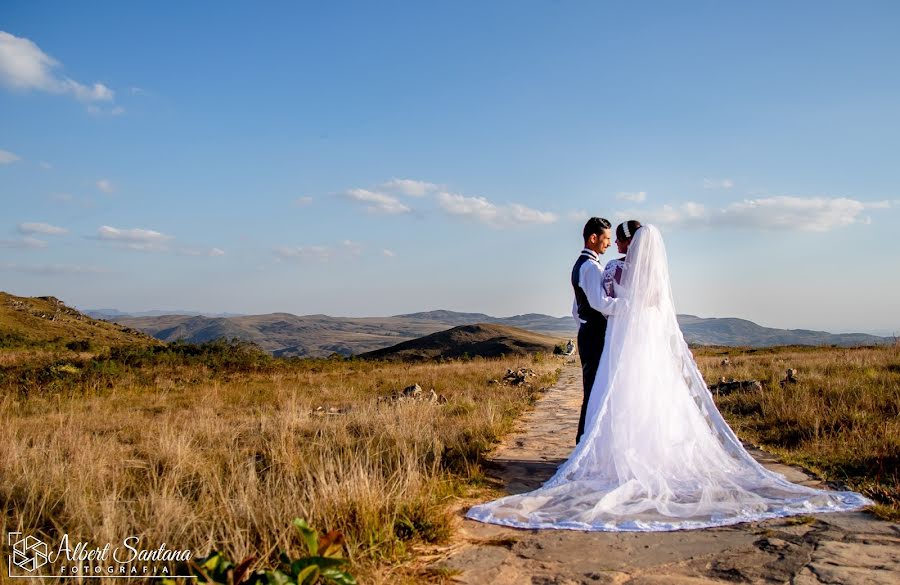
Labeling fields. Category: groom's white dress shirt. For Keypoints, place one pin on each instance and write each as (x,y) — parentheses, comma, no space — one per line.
(590,279)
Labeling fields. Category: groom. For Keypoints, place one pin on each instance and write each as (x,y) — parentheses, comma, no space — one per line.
(591,305)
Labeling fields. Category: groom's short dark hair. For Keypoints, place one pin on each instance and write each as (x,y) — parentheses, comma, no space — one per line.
(596,225)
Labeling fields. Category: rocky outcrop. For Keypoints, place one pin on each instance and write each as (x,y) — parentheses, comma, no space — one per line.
(413,393)
(728,385)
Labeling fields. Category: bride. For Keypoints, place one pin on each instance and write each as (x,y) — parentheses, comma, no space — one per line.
(656,454)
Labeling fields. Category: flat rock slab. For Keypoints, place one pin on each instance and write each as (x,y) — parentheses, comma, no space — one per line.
(844,548)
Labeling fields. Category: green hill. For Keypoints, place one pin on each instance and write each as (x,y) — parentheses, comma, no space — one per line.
(47,321)
(481,339)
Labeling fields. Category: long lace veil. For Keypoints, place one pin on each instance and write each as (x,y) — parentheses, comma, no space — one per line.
(656,453)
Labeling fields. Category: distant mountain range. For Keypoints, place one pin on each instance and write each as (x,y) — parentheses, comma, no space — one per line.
(741,332)
(110,314)
(284,334)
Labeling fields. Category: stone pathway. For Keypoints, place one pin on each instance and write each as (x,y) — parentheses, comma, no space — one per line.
(847,548)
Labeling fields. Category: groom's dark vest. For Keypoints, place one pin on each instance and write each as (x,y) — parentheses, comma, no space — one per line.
(585,312)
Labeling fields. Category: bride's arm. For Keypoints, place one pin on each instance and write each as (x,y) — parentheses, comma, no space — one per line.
(596,295)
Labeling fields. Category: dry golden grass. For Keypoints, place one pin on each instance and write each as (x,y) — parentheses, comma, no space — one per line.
(841,419)
(206,455)
(206,459)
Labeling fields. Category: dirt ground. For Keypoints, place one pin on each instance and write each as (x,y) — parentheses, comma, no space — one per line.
(845,548)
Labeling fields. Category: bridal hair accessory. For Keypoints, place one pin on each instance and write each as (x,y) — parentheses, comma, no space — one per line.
(628,230)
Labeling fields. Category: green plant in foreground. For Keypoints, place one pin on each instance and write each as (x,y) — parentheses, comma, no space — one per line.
(323,564)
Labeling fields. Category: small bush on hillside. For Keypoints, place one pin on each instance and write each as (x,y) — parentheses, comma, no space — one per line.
(79,345)
(103,371)
(219,354)
(10,339)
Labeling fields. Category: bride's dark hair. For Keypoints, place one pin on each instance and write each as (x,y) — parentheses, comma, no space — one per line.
(626,229)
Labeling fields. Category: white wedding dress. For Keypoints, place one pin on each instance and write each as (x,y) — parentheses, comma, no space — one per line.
(656,453)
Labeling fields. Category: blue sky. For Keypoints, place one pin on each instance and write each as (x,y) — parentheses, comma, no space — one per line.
(380,158)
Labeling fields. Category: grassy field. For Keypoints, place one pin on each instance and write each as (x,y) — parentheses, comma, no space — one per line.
(841,419)
(220,448)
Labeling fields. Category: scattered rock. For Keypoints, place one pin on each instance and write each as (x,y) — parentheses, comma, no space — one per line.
(791,377)
(726,362)
(331,410)
(413,393)
(518,377)
(729,385)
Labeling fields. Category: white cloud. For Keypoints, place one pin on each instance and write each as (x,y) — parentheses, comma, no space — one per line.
(7,157)
(818,214)
(304,252)
(303,201)
(410,187)
(783,212)
(377,202)
(482,210)
(685,214)
(135,238)
(53,269)
(45,165)
(636,196)
(475,207)
(29,228)
(26,242)
(150,241)
(105,185)
(718,183)
(519,214)
(354,248)
(319,252)
(211,252)
(24,66)
(388,253)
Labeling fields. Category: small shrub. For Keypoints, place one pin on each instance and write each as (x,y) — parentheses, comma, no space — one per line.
(10,339)
(79,345)
(423,521)
(323,564)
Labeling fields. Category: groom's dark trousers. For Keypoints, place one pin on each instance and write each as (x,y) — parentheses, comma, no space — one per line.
(591,335)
